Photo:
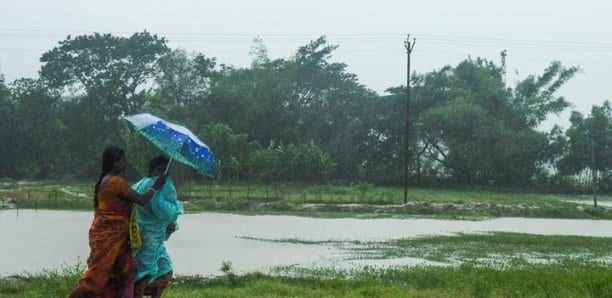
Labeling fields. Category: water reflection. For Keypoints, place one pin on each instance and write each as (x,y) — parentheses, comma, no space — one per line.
(34,240)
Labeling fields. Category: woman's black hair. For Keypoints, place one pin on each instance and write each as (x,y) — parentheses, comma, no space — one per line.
(153,163)
(111,155)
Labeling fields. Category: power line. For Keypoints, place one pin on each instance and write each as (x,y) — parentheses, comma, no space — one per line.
(428,41)
(460,37)
(445,39)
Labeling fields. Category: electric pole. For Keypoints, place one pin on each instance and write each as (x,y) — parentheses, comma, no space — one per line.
(593,170)
(409,46)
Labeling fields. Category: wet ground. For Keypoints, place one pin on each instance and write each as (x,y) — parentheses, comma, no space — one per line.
(35,240)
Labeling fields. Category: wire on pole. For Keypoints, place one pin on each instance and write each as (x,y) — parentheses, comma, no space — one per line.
(409,47)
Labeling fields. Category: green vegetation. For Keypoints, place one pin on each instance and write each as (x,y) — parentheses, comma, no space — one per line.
(564,280)
(47,283)
(48,195)
(302,118)
(355,200)
(568,279)
(498,248)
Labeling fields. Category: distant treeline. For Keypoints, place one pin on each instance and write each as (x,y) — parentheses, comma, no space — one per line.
(304,118)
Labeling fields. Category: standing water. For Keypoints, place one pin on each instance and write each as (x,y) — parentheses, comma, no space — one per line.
(36,240)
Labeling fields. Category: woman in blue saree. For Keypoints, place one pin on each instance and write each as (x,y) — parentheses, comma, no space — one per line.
(156,221)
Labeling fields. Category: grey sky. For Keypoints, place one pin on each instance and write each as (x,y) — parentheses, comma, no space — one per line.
(370,34)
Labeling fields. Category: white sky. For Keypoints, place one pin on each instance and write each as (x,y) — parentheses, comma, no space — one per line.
(370,34)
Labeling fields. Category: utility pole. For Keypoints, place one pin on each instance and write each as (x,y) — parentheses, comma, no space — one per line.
(409,46)
(593,171)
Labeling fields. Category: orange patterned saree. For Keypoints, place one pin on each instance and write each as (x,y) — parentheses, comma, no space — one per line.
(110,267)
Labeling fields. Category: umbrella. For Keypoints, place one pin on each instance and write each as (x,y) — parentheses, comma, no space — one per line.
(175,140)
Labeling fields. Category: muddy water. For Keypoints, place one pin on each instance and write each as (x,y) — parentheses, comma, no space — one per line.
(34,240)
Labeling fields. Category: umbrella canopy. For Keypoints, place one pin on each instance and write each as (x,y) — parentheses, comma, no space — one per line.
(175,140)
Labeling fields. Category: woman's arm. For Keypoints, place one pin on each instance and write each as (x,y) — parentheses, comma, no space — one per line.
(144,198)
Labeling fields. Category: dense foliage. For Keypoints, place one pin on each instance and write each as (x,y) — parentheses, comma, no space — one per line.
(303,118)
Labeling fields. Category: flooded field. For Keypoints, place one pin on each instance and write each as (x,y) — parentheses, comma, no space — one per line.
(36,240)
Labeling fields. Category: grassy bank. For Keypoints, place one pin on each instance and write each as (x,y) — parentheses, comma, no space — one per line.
(356,200)
(550,280)
(498,249)
(48,195)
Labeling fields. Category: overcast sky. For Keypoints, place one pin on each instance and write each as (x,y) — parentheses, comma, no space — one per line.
(370,34)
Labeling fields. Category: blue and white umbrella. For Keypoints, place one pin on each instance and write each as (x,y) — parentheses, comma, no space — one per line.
(175,140)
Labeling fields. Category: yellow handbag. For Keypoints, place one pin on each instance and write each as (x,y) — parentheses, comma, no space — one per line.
(135,239)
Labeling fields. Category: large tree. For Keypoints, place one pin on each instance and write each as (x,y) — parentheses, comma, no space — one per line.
(469,126)
(97,63)
(589,145)
(38,129)
(309,98)
(182,86)
(8,125)
(101,78)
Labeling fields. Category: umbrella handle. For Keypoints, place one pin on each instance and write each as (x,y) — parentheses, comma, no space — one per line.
(168,166)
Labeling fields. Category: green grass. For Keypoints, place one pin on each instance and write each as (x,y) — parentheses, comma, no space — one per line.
(49,195)
(48,283)
(369,194)
(551,280)
(499,248)
(355,200)
(366,200)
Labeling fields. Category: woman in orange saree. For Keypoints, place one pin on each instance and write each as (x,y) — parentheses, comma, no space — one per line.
(110,267)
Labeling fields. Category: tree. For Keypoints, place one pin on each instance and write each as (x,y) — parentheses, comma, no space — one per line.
(481,149)
(468,125)
(38,129)
(280,162)
(534,98)
(303,99)
(101,78)
(183,85)
(233,151)
(8,126)
(589,145)
(314,100)
(115,66)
